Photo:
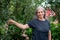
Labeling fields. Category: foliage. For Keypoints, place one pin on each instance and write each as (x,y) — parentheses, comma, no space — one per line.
(22,11)
(55,5)
(55,30)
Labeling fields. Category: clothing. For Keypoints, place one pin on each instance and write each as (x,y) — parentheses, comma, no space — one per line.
(40,29)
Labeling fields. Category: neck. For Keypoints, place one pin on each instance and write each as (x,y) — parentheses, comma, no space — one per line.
(42,19)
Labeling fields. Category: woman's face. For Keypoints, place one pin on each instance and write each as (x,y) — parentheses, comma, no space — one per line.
(40,13)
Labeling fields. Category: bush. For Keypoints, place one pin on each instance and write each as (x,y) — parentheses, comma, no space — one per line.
(55,31)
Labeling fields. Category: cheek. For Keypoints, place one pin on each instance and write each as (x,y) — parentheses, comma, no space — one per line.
(43,13)
(40,15)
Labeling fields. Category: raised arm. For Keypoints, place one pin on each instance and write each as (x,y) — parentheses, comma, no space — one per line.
(49,35)
(18,24)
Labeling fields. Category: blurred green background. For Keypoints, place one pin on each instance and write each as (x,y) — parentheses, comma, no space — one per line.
(23,11)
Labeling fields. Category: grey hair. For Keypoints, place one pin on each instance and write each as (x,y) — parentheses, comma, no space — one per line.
(39,7)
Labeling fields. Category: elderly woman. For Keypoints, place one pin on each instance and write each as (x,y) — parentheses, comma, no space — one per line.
(40,26)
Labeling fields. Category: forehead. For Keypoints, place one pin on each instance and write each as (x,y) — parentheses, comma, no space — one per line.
(40,10)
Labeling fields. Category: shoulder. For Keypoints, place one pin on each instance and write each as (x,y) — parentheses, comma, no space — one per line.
(31,23)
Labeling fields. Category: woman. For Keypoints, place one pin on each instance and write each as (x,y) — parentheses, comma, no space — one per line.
(40,26)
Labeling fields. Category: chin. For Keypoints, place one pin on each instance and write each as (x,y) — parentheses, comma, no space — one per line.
(41,17)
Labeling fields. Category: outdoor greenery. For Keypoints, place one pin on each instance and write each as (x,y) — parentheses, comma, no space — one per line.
(23,11)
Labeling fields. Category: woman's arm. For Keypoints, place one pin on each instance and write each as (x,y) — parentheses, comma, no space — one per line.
(18,24)
(49,35)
